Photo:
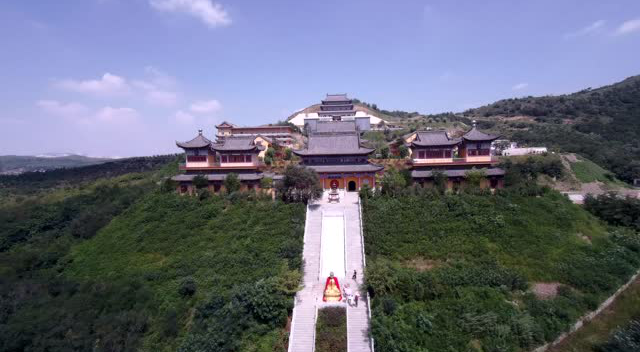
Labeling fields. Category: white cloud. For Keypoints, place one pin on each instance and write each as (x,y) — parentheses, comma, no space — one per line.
(66,110)
(160,97)
(212,14)
(112,115)
(590,29)
(208,106)
(108,85)
(520,86)
(629,27)
(81,114)
(183,117)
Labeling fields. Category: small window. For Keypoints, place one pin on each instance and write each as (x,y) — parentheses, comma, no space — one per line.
(223,158)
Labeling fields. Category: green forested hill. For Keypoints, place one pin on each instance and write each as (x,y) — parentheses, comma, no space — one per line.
(602,124)
(124,264)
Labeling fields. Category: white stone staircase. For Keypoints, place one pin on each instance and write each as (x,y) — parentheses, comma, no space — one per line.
(309,299)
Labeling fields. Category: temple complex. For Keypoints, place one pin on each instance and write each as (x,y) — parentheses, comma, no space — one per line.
(335,152)
(433,151)
(234,154)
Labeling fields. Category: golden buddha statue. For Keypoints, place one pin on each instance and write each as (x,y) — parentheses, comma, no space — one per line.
(332,291)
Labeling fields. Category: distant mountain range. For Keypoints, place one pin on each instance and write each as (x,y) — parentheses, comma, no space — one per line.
(18,164)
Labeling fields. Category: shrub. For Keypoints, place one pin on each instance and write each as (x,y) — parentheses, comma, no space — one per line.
(232,183)
(187,287)
(200,182)
(626,339)
(266,183)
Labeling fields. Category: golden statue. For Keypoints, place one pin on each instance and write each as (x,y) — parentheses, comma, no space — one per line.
(332,292)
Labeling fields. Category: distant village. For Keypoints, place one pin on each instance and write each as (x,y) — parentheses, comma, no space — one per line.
(328,138)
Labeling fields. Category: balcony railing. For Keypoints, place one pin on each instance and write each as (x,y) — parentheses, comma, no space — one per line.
(218,165)
(457,161)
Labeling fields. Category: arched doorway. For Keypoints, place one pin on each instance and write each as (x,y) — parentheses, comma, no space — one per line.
(351,186)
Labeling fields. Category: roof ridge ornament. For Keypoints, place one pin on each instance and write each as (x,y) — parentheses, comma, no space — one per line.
(200,132)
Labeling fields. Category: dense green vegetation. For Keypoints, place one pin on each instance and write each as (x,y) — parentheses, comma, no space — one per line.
(125,264)
(20,164)
(456,272)
(33,182)
(615,210)
(602,124)
(331,330)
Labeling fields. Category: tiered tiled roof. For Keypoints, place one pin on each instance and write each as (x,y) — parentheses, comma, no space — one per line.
(233,143)
(476,136)
(334,138)
(434,139)
(198,142)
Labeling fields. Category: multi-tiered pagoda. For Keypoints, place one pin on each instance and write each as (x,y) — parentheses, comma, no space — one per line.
(433,151)
(335,152)
(336,106)
(215,161)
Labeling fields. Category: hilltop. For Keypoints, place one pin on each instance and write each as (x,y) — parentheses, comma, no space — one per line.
(17,164)
(602,124)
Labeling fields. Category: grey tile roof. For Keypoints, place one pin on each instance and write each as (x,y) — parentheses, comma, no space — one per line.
(220,177)
(475,135)
(198,142)
(334,126)
(434,139)
(346,168)
(456,173)
(336,97)
(334,144)
(232,143)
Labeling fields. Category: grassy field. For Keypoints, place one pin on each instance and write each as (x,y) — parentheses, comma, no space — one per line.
(588,171)
(456,272)
(331,330)
(625,308)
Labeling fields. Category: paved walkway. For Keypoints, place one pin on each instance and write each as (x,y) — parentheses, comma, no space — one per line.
(309,299)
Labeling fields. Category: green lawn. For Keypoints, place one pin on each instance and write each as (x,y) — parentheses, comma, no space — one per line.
(588,171)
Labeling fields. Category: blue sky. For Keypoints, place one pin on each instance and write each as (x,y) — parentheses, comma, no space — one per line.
(129,77)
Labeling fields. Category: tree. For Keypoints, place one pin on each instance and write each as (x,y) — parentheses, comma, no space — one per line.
(266,183)
(288,153)
(365,192)
(439,180)
(232,183)
(392,182)
(269,155)
(200,182)
(169,185)
(474,177)
(384,152)
(403,151)
(300,184)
